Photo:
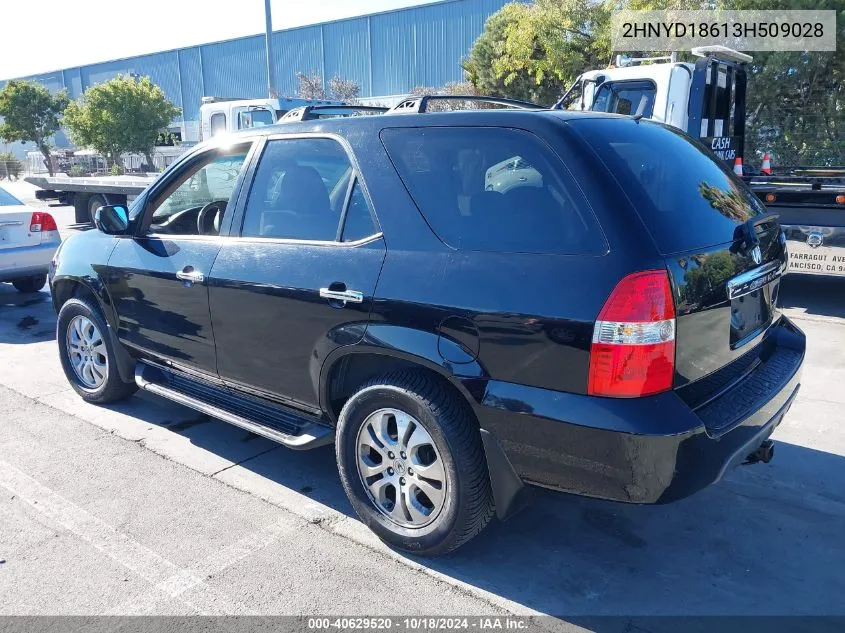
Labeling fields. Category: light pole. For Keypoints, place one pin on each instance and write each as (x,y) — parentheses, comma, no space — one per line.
(268,37)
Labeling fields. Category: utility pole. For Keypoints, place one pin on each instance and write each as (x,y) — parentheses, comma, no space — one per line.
(268,37)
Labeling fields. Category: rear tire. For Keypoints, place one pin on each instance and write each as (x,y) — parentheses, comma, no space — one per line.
(95,202)
(86,352)
(30,284)
(80,208)
(451,452)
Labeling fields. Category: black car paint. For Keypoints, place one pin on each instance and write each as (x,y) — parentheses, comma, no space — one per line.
(511,332)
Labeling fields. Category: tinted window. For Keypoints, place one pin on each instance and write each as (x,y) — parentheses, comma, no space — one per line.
(212,179)
(686,198)
(359,221)
(625,97)
(7,199)
(493,189)
(299,190)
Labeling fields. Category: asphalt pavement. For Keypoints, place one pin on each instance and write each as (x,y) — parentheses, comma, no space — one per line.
(147,507)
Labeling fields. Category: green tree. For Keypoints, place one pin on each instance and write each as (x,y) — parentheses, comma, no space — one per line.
(796,100)
(534,51)
(120,115)
(31,113)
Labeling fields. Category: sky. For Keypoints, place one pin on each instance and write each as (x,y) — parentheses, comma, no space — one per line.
(48,35)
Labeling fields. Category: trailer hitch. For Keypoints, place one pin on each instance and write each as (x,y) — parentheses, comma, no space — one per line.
(763,454)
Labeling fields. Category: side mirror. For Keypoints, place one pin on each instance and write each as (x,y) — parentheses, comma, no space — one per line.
(112,219)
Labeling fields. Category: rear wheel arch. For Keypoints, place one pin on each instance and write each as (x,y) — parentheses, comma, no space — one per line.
(342,375)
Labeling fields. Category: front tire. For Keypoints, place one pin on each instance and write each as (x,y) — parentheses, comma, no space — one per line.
(411,460)
(87,355)
(30,284)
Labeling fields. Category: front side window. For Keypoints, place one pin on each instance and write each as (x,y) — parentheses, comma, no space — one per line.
(626,97)
(299,190)
(198,199)
(493,189)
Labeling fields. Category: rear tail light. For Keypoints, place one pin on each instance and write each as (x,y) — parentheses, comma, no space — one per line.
(633,350)
(42,221)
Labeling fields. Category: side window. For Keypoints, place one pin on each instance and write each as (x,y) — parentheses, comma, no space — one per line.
(218,123)
(626,97)
(493,189)
(198,199)
(359,221)
(298,191)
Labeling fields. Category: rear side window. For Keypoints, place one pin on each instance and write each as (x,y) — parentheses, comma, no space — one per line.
(493,189)
(299,190)
(686,197)
(7,199)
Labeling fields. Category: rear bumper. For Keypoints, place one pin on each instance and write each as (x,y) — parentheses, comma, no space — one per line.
(644,450)
(25,261)
(815,250)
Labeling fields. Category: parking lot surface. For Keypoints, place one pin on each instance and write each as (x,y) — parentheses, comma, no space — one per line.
(146,507)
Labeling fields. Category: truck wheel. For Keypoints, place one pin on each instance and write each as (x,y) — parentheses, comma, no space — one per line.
(86,353)
(95,202)
(412,463)
(30,284)
(80,208)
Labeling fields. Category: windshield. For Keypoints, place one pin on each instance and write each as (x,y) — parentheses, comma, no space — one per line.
(7,199)
(686,197)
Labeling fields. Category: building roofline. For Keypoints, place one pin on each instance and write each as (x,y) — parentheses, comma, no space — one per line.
(233,39)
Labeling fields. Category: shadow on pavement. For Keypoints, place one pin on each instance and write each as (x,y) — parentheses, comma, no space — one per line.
(814,295)
(766,541)
(26,318)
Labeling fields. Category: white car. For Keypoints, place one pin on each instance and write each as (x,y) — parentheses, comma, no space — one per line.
(28,240)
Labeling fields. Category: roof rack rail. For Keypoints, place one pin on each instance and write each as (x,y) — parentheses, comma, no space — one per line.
(419,103)
(311,112)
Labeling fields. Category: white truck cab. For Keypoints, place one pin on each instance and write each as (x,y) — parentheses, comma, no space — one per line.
(230,115)
(679,94)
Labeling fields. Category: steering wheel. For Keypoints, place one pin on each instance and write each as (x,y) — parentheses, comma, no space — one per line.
(208,219)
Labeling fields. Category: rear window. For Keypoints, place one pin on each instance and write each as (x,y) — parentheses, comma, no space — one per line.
(493,189)
(687,198)
(7,199)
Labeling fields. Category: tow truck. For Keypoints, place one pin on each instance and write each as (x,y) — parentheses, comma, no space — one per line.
(217,116)
(707,101)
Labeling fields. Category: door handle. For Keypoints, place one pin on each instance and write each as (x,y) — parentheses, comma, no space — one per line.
(352,296)
(189,275)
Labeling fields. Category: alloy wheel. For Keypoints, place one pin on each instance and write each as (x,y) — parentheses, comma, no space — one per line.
(401,468)
(87,352)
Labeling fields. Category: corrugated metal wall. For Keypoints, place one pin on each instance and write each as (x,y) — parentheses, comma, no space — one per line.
(386,53)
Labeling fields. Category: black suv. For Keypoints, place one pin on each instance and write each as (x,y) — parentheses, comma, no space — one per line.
(463,302)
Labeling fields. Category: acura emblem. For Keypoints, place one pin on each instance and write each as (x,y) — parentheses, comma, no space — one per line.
(756,255)
(814,240)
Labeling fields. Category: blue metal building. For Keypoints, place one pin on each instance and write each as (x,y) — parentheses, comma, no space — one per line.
(387,53)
